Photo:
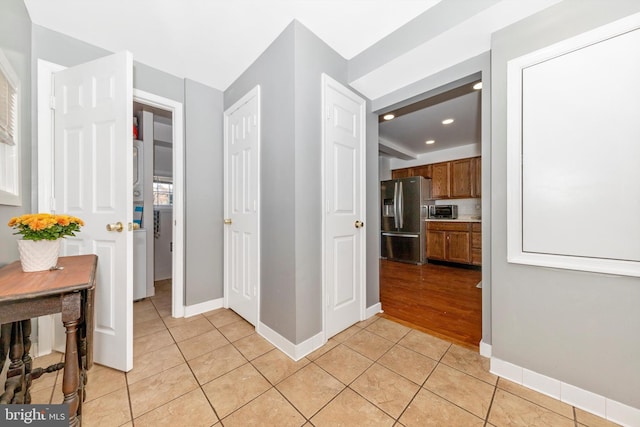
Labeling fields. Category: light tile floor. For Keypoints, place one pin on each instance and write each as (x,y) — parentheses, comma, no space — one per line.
(214,370)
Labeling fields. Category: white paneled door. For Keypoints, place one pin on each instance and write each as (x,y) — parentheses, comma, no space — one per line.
(344,184)
(93,180)
(242,206)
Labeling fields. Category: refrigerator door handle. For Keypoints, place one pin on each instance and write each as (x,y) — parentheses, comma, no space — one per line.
(401,207)
(413,236)
(395,204)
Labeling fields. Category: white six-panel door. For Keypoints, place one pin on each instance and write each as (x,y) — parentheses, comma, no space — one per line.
(242,205)
(344,235)
(93,181)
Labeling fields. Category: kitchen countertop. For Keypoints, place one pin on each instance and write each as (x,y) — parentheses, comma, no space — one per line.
(459,219)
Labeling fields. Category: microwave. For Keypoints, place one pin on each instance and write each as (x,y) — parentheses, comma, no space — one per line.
(443,211)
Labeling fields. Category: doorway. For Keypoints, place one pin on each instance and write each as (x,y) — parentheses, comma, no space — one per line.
(48,334)
(439,135)
(153,202)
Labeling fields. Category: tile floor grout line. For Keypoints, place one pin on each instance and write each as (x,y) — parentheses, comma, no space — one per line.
(493,396)
(257,370)
(133,424)
(307,420)
(443,397)
(177,397)
(538,405)
(413,398)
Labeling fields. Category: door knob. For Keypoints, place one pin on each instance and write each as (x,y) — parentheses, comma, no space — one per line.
(134,226)
(227,221)
(115,227)
(359,224)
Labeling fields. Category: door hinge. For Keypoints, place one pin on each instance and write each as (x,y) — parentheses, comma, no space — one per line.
(52,102)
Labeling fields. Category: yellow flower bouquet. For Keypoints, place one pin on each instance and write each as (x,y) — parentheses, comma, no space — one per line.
(45,226)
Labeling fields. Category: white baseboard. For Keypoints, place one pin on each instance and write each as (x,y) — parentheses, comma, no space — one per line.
(591,402)
(294,351)
(203,307)
(485,349)
(373,310)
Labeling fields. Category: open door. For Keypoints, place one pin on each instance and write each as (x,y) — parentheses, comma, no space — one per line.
(93,179)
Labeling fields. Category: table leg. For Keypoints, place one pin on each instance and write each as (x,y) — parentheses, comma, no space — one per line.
(70,378)
(26,358)
(15,385)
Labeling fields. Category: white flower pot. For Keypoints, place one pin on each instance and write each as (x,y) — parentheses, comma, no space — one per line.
(38,255)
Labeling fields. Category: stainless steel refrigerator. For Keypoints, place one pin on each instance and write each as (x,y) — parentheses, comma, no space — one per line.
(404,204)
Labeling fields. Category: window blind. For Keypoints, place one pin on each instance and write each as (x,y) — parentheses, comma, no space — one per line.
(7,110)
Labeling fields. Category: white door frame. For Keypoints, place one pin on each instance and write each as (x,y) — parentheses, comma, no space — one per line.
(255,92)
(177,273)
(46,69)
(326,80)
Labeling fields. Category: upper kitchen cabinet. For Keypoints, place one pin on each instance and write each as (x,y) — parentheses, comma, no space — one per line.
(424,170)
(455,179)
(401,173)
(477,177)
(441,180)
(462,174)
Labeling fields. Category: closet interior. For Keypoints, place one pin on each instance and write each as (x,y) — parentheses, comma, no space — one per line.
(152,198)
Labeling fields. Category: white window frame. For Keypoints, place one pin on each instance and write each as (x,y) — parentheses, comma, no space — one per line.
(515,212)
(10,181)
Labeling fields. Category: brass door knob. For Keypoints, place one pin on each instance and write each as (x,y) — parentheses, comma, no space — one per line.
(115,227)
(227,221)
(359,224)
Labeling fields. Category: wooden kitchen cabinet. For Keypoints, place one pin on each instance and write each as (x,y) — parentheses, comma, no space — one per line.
(449,241)
(476,243)
(401,173)
(462,178)
(424,170)
(441,180)
(455,179)
(476,173)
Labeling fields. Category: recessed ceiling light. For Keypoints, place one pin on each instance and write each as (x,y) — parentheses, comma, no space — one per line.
(388,117)
(477,86)
(447,121)
(429,142)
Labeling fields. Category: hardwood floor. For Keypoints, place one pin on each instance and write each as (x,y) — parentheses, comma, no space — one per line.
(441,300)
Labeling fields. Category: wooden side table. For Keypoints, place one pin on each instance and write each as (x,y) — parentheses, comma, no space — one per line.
(24,296)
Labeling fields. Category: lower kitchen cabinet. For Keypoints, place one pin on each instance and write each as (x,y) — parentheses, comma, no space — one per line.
(453,242)
(476,243)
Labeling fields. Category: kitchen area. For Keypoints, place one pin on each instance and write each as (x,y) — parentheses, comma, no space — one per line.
(431,225)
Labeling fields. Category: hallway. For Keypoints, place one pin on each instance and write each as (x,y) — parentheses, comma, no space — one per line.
(214,370)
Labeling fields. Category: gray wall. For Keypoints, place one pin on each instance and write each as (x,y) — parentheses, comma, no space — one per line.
(274,72)
(289,73)
(312,58)
(203,142)
(67,51)
(204,193)
(577,327)
(15,42)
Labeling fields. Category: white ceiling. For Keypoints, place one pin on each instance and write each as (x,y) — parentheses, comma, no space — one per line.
(408,133)
(214,41)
